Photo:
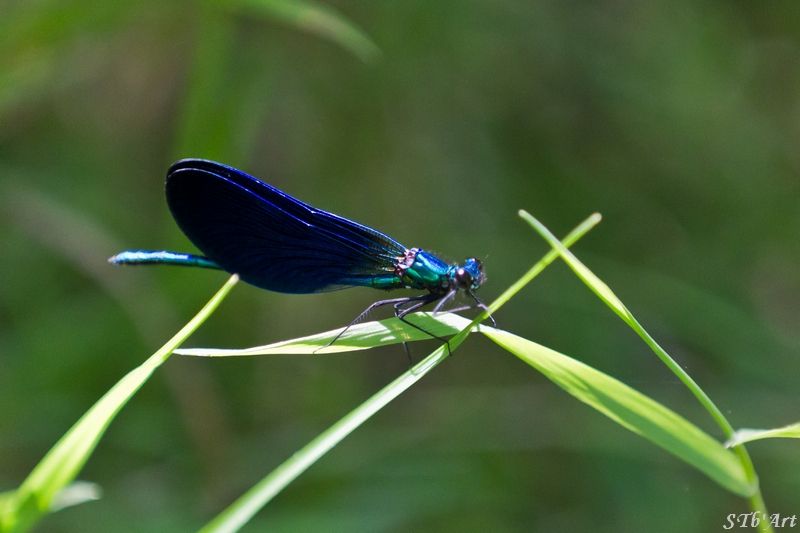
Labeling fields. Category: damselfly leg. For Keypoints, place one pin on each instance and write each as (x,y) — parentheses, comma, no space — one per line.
(361,316)
(409,304)
(401,310)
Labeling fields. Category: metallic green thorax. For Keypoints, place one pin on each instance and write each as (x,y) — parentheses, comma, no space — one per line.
(421,270)
(417,269)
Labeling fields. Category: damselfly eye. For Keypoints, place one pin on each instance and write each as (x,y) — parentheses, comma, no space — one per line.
(463,278)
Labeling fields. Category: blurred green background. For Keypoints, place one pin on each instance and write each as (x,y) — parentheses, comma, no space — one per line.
(679,121)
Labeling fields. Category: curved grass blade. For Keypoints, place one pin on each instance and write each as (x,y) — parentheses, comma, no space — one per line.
(38,493)
(316,18)
(7,500)
(792,431)
(246,506)
(605,294)
(632,410)
(358,337)
(76,493)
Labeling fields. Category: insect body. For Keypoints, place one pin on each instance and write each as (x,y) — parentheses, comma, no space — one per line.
(277,242)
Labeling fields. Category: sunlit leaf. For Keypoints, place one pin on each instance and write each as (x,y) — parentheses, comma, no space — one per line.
(39,492)
(76,493)
(632,410)
(792,431)
(606,295)
(358,337)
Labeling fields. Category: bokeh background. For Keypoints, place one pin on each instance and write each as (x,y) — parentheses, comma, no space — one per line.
(679,121)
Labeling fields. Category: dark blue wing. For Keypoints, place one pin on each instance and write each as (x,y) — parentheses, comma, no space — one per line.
(270,239)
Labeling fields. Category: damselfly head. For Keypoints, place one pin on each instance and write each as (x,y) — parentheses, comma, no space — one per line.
(469,275)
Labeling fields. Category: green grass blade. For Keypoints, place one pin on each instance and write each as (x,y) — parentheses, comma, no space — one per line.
(605,294)
(7,503)
(76,493)
(316,18)
(632,410)
(358,337)
(573,237)
(792,431)
(246,506)
(61,464)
